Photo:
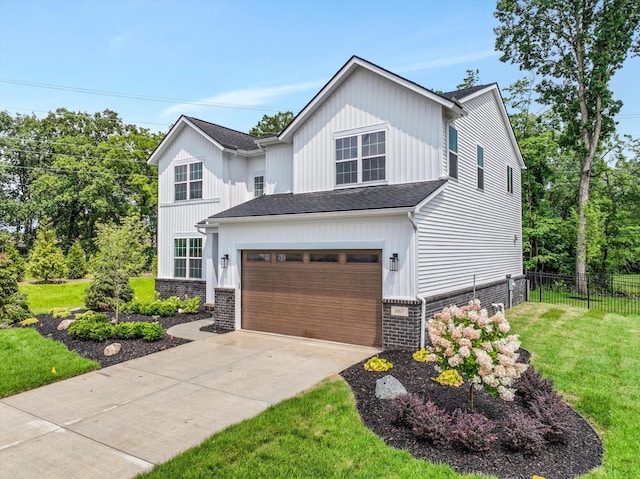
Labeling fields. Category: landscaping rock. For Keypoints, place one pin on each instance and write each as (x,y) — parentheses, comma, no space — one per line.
(389,387)
(76,310)
(64,324)
(112,349)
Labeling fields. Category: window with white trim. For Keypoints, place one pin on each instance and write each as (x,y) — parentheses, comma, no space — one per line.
(480,168)
(258,186)
(453,152)
(187,258)
(361,158)
(509,179)
(188,181)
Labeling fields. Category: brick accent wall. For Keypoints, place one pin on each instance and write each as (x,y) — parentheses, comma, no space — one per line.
(401,332)
(181,288)
(224,309)
(496,292)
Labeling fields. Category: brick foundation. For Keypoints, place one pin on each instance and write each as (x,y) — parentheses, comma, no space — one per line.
(400,332)
(181,288)
(224,309)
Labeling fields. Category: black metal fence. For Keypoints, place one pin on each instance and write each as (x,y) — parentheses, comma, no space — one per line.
(615,293)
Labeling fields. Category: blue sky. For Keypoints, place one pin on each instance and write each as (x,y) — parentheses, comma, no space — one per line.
(232,62)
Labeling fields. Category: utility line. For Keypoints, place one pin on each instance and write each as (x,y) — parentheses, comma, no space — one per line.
(60,170)
(135,96)
(70,143)
(83,157)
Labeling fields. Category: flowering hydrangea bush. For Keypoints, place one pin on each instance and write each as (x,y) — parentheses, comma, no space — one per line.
(478,347)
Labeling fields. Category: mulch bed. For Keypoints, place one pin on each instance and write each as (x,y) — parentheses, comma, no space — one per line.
(131,348)
(582,452)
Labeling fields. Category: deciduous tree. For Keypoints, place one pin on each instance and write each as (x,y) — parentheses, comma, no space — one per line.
(576,46)
(271,125)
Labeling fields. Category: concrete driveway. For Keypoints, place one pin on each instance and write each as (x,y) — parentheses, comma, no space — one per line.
(121,420)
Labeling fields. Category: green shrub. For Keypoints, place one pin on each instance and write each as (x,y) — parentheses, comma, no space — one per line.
(124,331)
(101,294)
(13,304)
(190,305)
(151,331)
(76,262)
(151,308)
(29,322)
(46,261)
(88,329)
(59,313)
(92,315)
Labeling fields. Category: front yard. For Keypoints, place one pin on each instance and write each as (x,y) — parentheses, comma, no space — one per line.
(594,359)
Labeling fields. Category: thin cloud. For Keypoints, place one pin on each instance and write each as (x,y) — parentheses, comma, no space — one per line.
(245,98)
(450,60)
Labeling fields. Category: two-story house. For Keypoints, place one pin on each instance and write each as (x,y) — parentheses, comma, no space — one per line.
(378,205)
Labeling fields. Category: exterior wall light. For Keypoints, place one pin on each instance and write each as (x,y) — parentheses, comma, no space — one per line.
(224,261)
(393,262)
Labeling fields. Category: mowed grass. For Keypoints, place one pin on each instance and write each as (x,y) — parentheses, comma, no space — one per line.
(593,357)
(43,297)
(28,361)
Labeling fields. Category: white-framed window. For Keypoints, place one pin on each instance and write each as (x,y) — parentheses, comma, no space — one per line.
(480,166)
(453,152)
(188,181)
(361,158)
(187,258)
(509,179)
(258,186)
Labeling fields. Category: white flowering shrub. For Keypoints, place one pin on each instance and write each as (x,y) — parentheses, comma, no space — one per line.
(478,347)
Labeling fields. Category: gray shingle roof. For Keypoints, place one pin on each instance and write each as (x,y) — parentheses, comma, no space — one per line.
(227,137)
(404,195)
(460,94)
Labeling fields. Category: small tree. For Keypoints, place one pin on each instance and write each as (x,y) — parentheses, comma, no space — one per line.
(15,261)
(271,125)
(477,346)
(46,261)
(13,304)
(76,262)
(120,255)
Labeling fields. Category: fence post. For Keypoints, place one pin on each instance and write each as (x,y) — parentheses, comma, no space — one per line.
(541,287)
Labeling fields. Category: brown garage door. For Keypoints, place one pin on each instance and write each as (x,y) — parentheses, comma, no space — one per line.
(330,295)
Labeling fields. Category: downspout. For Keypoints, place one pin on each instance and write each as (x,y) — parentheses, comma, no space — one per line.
(423,301)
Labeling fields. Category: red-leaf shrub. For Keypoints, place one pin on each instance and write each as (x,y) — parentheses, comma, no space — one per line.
(472,431)
(530,383)
(405,408)
(433,424)
(524,433)
(550,410)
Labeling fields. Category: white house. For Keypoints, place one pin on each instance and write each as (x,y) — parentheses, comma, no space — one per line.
(379,204)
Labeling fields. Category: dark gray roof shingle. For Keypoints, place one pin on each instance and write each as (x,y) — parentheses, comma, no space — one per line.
(460,94)
(227,137)
(404,195)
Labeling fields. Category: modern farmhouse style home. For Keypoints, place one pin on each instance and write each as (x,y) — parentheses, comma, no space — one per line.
(378,205)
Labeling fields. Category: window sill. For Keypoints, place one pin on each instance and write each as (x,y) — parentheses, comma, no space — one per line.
(360,185)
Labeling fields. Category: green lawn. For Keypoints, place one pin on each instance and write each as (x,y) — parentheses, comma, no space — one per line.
(594,358)
(43,297)
(28,361)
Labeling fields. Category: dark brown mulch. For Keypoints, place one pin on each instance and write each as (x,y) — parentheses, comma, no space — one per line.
(582,452)
(213,328)
(131,348)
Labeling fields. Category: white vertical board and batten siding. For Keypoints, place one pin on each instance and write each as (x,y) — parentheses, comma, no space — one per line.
(392,235)
(464,230)
(279,169)
(412,137)
(178,219)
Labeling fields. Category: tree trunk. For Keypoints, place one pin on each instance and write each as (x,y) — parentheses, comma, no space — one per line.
(581,245)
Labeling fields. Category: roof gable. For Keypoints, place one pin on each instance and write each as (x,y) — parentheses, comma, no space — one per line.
(405,195)
(342,76)
(220,136)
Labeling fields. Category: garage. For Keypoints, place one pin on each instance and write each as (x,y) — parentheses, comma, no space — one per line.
(333,295)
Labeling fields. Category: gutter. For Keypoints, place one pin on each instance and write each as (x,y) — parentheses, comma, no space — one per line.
(423,301)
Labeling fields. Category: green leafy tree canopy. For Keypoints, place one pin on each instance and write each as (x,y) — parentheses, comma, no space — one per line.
(271,125)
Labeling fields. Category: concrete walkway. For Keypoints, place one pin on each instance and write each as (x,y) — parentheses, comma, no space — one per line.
(121,420)
(191,330)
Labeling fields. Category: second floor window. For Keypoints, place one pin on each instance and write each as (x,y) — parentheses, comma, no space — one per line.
(188,181)
(453,152)
(361,158)
(258,186)
(480,159)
